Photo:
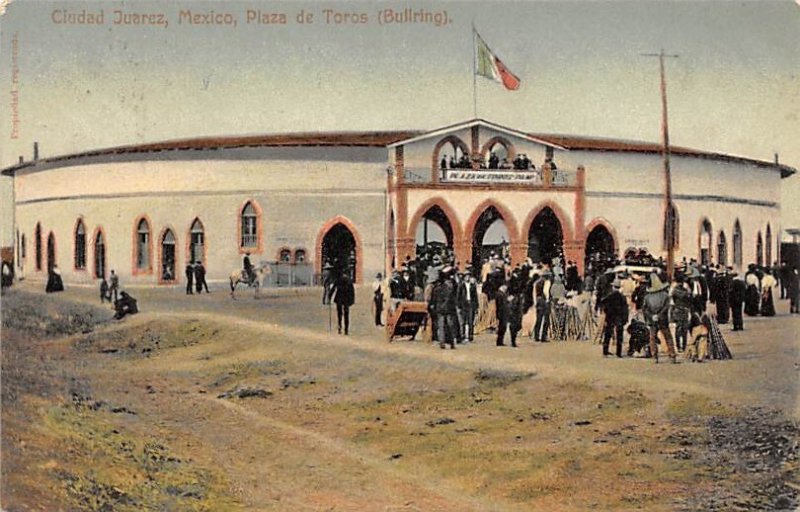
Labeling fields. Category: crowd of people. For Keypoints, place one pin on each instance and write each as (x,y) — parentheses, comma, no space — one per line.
(631,295)
(520,162)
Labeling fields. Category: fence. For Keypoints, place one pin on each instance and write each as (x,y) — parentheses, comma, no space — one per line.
(285,274)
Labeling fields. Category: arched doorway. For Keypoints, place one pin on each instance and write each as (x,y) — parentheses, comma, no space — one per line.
(339,250)
(197,240)
(600,246)
(705,242)
(99,255)
(545,237)
(722,249)
(51,251)
(489,236)
(434,233)
(168,273)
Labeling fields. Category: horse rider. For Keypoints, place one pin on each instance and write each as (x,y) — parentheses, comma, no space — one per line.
(248,269)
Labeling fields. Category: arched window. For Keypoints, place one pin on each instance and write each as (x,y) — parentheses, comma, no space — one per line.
(722,249)
(706,235)
(168,256)
(22,246)
(143,260)
(300,256)
(768,247)
(759,250)
(99,255)
(80,246)
(38,246)
(673,229)
(249,222)
(285,256)
(737,244)
(197,242)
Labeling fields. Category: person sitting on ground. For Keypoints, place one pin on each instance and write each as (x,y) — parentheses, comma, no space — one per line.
(125,305)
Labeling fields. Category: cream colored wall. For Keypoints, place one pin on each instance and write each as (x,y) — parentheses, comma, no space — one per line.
(297,199)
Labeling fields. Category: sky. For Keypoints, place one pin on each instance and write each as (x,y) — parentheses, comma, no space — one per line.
(733,87)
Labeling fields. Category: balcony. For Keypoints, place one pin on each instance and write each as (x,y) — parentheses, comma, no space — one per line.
(541,177)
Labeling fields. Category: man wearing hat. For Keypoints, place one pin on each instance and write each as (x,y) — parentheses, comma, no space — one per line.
(616,309)
(327,281)
(467,301)
(736,297)
(681,309)
(656,313)
(377,298)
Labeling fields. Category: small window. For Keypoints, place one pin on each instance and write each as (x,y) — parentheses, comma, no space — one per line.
(80,246)
(300,256)
(671,227)
(737,244)
(285,256)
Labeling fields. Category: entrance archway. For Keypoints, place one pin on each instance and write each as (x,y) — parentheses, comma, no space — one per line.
(339,250)
(600,245)
(545,237)
(490,235)
(434,232)
(51,251)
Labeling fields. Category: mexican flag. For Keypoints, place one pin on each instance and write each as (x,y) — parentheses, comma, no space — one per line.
(489,66)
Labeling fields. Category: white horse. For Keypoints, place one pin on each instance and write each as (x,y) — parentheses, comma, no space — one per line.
(239,276)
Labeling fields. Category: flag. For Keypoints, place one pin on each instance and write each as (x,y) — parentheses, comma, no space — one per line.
(489,66)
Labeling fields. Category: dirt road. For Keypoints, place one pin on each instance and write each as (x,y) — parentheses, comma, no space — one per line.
(262,408)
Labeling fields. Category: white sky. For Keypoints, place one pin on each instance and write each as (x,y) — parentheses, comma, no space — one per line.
(734,88)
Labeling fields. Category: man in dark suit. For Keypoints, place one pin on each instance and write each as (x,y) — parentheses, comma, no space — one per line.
(344,297)
(189,278)
(200,277)
(616,309)
(467,301)
(503,313)
(736,296)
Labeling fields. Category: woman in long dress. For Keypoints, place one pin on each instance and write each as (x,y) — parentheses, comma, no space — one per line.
(752,296)
(767,304)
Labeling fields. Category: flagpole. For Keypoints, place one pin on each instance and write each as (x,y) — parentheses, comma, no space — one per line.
(474,73)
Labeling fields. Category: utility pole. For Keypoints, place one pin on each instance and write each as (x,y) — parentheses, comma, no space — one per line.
(669,220)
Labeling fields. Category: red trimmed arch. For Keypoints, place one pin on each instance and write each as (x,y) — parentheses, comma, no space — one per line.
(135,270)
(450,139)
(80,220)
(563,219)
(448,212)
(187,244)
(600,221)
(510,149)
(344,221)
(508,218)
(700,230)
(177,269)
(99,231)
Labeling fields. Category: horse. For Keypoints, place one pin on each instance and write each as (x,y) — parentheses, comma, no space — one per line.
(239,276)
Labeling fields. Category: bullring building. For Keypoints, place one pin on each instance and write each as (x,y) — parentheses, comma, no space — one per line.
(366,200)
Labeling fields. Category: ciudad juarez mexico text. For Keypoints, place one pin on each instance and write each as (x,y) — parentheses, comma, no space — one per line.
(249,17)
